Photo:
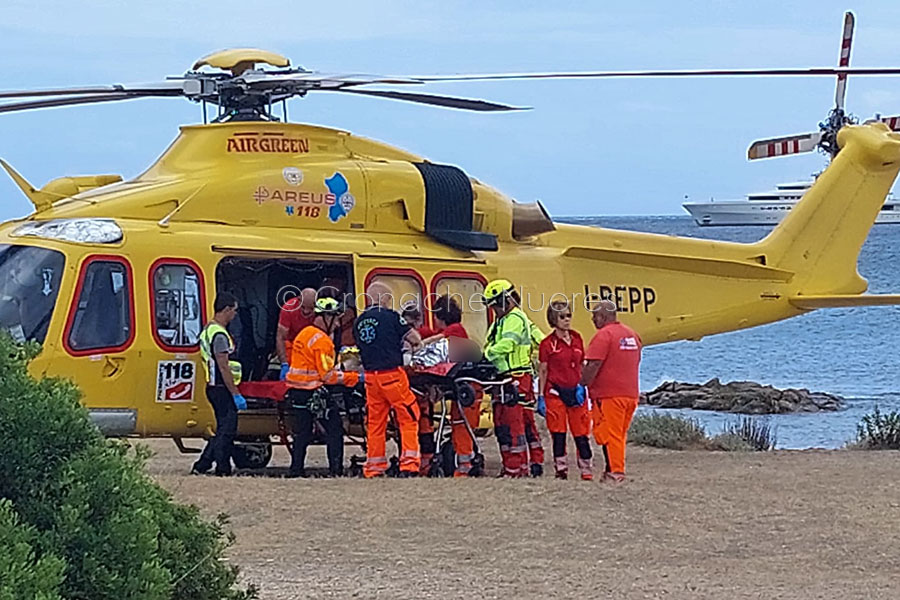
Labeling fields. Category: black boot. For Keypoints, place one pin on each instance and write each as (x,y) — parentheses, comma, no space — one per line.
(537,470)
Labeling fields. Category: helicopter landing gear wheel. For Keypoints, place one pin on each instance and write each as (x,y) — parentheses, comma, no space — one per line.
(252,455)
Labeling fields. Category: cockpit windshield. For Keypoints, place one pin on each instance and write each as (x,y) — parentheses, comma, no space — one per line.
(29,285)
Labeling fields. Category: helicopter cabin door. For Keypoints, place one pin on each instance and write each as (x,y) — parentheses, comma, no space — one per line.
(99,330)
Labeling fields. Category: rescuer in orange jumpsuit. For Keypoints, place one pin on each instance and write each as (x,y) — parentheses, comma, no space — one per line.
(312,367)
(380,333)
(611,373)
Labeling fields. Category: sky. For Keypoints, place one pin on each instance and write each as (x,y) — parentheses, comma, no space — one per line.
(589,147)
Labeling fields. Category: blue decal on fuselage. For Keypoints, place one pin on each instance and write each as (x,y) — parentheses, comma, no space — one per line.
(337,185)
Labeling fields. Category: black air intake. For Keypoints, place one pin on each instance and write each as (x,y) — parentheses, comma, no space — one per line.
(449,204)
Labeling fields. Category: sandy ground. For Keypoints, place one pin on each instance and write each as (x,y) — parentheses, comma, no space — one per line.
(795,525)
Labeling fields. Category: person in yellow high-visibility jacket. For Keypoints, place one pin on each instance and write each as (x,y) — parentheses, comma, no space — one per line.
(509,347)
(222,378)
(313,366)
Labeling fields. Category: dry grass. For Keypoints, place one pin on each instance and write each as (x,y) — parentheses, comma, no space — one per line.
(790,525)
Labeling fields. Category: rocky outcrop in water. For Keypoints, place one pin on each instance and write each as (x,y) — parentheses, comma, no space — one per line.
(744,397)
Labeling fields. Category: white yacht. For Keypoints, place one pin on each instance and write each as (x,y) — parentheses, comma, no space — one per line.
(768,208)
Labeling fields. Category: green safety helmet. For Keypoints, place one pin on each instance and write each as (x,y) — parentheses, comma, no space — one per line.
(496,290)
(327,306)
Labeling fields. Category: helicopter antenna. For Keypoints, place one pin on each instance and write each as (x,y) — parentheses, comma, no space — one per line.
(164,222)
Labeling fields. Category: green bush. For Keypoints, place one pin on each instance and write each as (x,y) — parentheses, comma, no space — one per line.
(728,442)
(24,576)
(757,434)
(879,431)
(666,431)
(82,507)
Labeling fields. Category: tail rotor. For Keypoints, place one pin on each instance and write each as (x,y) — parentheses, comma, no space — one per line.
(825,139)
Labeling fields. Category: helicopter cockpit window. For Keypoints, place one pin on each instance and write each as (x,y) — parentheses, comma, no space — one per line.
(103,314)
(178,305)
(29,285)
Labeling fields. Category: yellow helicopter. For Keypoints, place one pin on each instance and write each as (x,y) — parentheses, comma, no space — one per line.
(117,278)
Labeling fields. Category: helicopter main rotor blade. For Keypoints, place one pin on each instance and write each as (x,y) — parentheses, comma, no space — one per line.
(71,101)
(844,60)
(163,88)
(789,72)
(316,80)
(435,100)
(782,146)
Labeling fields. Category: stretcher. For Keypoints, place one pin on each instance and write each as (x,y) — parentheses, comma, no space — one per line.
(446,382)
(269,395)
(464,383)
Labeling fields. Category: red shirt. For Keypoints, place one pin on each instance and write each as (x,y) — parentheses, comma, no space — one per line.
(455,330)
(619,347)
(293,319)
(563,360)
(426,332)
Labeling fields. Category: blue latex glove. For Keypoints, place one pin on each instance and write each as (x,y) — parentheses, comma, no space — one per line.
(284,370)
(362,376)
(541,407)
(240,402)
(580,394)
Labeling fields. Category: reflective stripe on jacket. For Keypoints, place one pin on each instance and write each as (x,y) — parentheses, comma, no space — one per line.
(510,341)
(313,363)
(209,360)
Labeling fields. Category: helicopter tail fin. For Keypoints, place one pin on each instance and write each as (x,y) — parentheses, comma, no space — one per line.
(821,237)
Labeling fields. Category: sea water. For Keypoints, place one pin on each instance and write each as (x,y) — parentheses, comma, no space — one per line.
(848,352)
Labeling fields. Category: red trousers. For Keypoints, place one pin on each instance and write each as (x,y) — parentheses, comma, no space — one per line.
(612,418)
(535,449)
(426,432)
(509,427)
(533,437)
(517,435)
(386,391)
(463,444)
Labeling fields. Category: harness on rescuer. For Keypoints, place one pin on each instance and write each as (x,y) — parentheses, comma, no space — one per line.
(209,360)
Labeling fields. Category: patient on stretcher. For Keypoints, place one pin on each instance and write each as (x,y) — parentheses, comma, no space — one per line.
(451,349)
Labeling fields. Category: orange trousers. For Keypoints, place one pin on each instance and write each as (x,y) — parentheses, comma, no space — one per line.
(387,390)
(463,444)
(578,420)
(612,418)
(558,415)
